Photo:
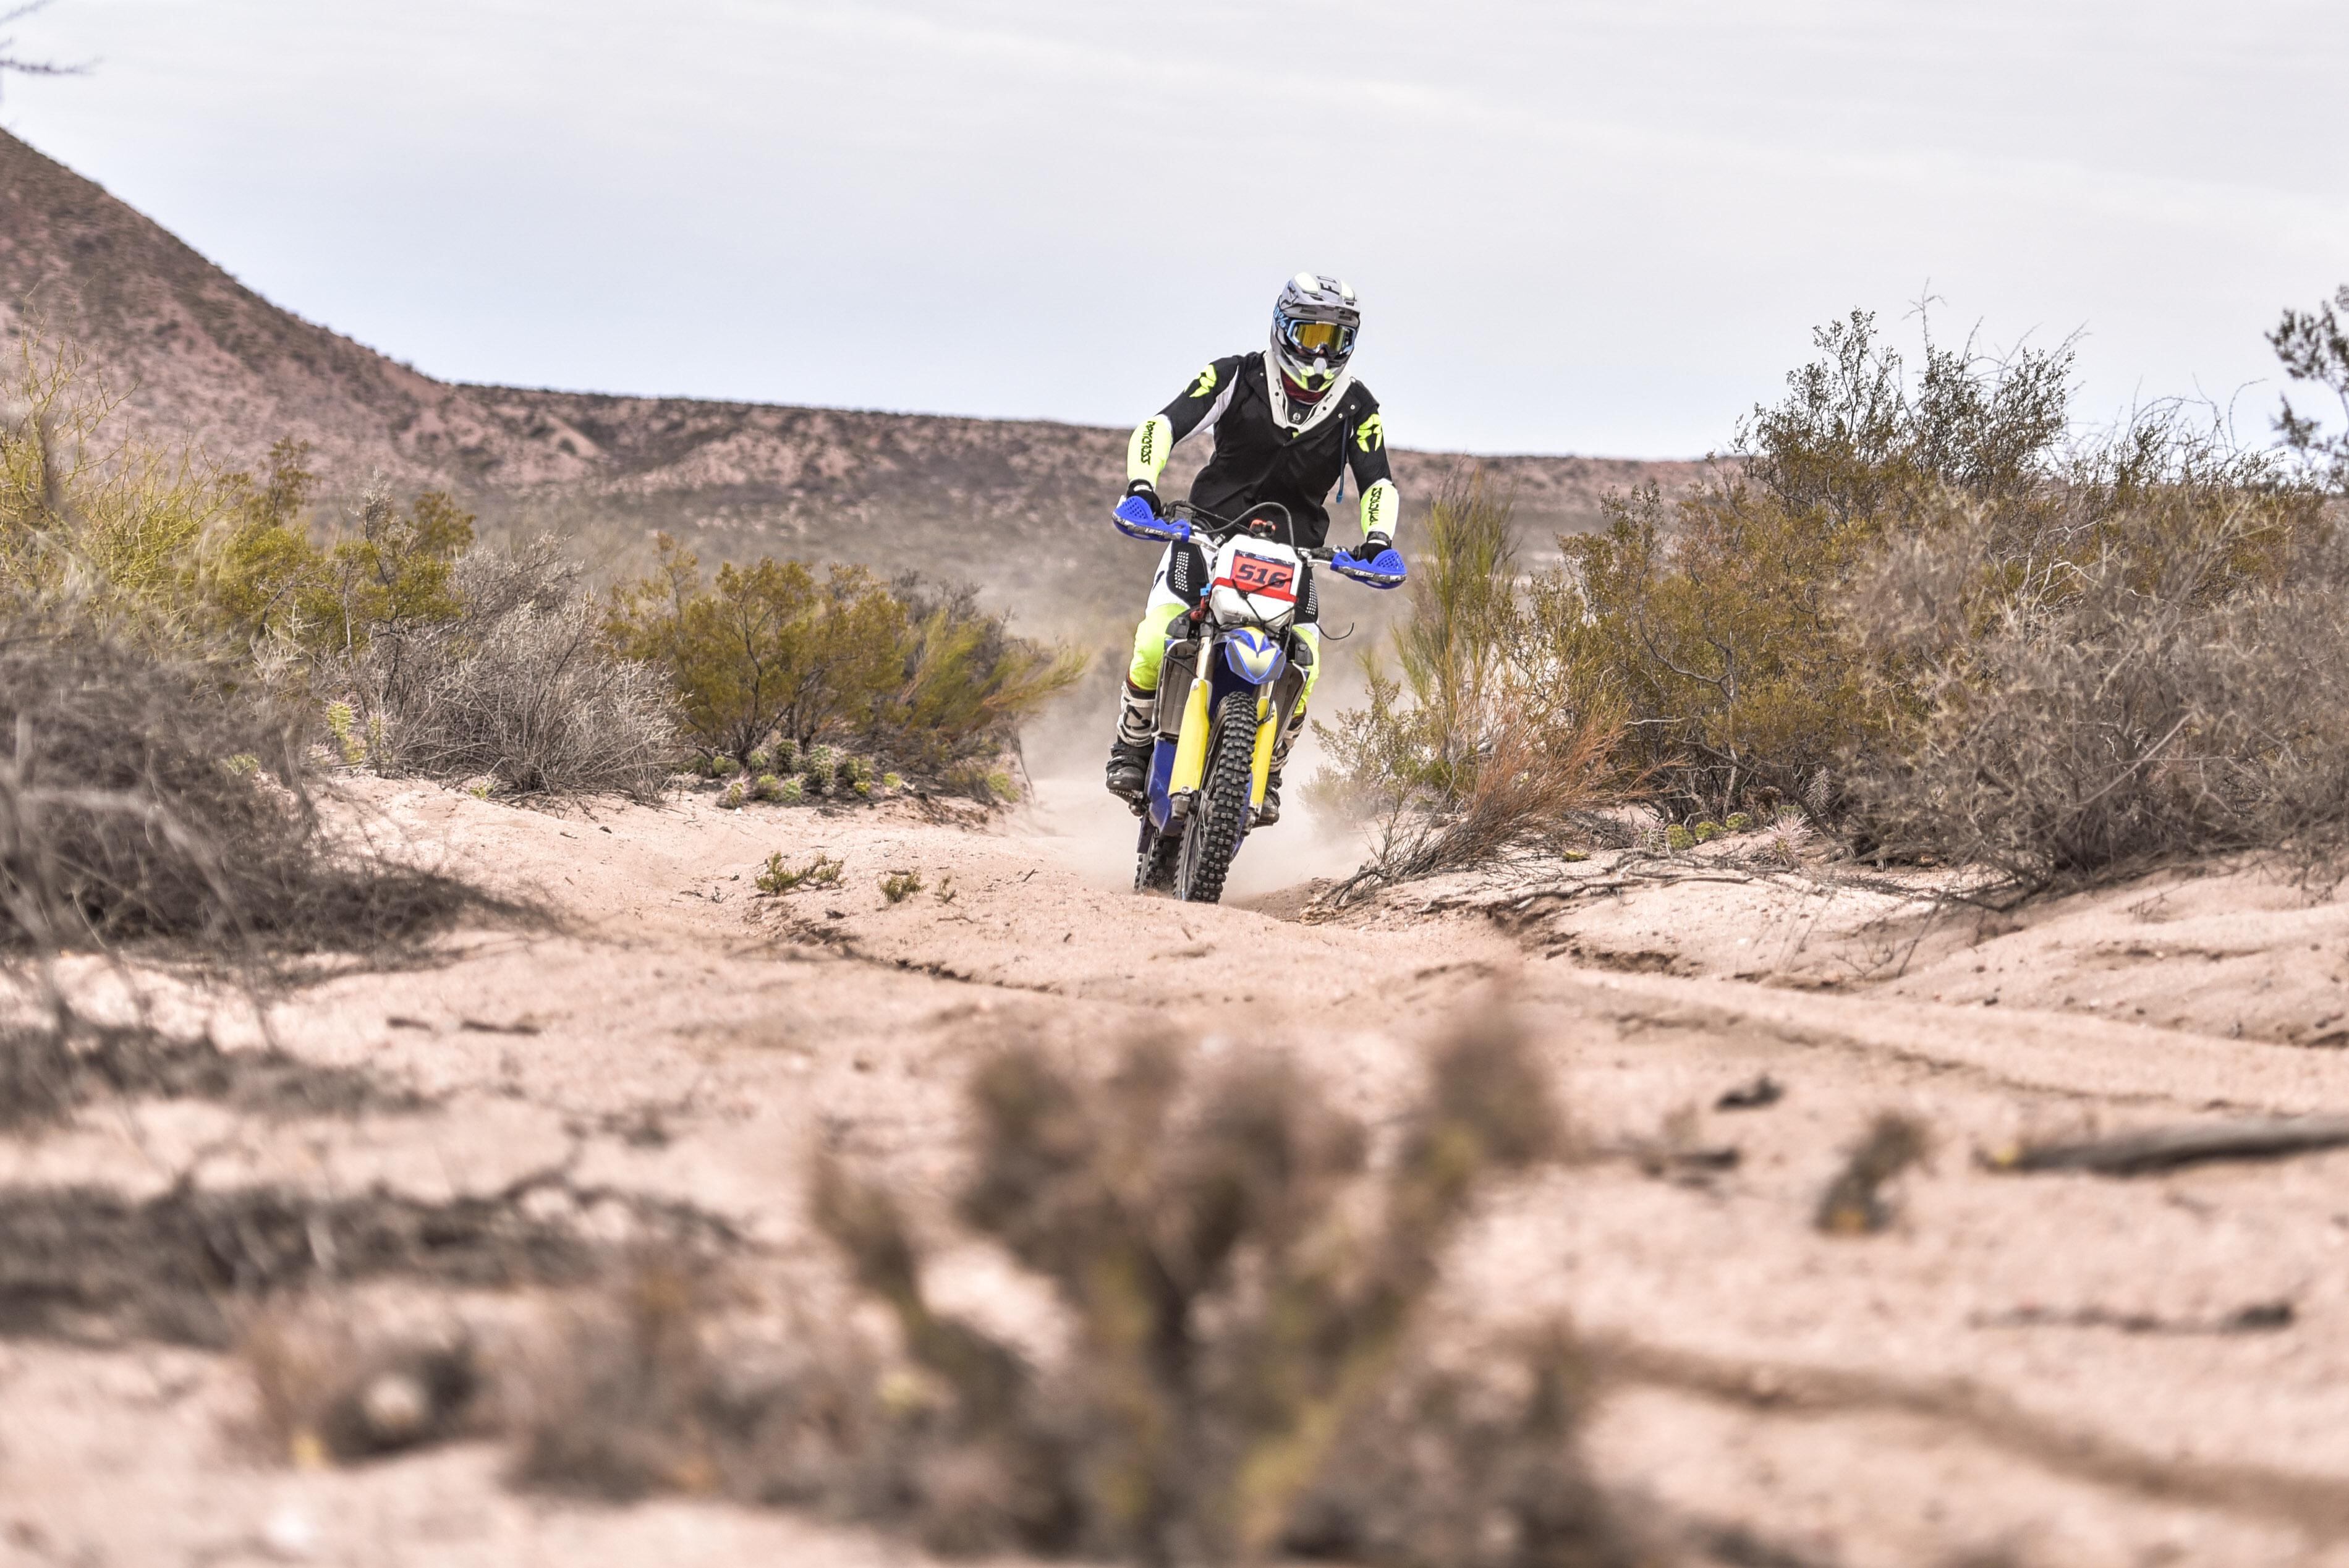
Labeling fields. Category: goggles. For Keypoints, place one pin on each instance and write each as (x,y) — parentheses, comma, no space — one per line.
(1318,339)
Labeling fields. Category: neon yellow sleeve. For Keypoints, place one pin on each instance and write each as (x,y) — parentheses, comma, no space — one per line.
(1382,508)
(1145,455)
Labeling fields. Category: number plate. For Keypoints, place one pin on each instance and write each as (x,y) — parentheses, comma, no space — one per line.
(1255,574)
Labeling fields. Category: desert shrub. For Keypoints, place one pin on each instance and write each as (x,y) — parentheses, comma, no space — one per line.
(503,671)
(1242,1283)
(1712,624)
(113,530)
(2174,688)
(131,806)
(766,647)
(923,675)
(1469,744)
(899,886)
(967,683)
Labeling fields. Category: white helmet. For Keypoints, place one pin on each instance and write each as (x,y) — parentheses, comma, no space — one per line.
(1314,324)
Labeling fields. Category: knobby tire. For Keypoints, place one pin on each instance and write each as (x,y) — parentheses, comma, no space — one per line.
(1212,836)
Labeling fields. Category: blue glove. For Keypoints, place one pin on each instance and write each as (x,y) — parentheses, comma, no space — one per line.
(1138,517)
(1378,562)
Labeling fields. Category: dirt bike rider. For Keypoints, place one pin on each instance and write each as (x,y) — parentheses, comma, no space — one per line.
(1288,422)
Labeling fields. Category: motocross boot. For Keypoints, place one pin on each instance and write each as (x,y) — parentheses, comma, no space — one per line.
(1129,754)
(1269,812)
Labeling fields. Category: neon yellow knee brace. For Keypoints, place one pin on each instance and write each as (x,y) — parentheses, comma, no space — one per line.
(1150,646)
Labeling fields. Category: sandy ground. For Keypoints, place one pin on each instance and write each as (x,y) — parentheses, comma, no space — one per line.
(2039,1366)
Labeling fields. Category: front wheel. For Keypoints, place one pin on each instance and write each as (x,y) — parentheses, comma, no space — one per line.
(1219,814)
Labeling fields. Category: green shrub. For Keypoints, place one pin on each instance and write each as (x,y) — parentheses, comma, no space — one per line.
(922,675)
(899,886)
(765,647)
(966,682)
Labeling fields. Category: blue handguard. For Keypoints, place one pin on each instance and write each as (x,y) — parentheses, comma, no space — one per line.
(1134,519)
(1384,570)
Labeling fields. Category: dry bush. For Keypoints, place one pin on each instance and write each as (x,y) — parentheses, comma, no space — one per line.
(1712,624)
(513,682)
(1242,1283)
(653,1384)
(145,798)
(1472,744)
(2165,676)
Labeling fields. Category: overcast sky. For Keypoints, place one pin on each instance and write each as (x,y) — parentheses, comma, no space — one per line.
(1581,227)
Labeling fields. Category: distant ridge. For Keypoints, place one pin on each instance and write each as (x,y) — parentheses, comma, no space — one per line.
(1009,504)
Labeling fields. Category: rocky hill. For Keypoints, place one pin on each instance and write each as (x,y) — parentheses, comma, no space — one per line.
(201,358)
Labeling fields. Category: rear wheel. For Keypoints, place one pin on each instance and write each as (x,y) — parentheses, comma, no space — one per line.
(1219,812)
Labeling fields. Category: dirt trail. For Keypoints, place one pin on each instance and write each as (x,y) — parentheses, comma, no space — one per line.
(2048,1366)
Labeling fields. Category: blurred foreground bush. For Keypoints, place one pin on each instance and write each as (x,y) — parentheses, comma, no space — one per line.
(1240,1369)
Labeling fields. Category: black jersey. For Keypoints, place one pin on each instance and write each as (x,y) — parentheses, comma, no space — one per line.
(1258,459)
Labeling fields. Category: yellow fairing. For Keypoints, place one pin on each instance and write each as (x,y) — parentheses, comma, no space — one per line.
(1145,455)
(1191,748)
(1266,732)
(1382,508)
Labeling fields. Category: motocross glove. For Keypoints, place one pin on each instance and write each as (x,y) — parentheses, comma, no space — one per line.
(1149,494)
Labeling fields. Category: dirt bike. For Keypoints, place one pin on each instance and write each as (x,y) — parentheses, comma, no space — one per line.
(1233,675)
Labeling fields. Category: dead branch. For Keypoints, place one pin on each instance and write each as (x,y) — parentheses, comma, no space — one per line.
(2169,1148)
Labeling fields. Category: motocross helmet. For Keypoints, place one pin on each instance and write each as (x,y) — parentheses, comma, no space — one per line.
(1314,324)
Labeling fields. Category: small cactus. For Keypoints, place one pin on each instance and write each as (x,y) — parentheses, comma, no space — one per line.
(1707,832)
(787,753)
(761,760)
(790,793)
(1677,838)
(893,781)
(723,766)
(1739,822)
(732,797)
(817,768)
(768,788)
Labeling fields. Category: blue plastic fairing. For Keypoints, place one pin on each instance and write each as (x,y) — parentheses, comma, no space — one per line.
(1384,570)
(1162,773)
(1134,519)
(1253,656)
